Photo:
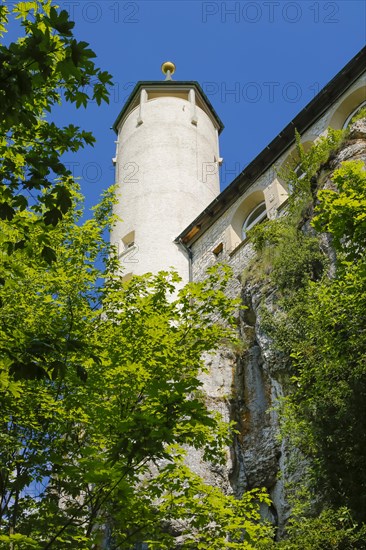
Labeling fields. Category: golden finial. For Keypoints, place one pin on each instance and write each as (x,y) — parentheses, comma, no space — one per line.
(168,68)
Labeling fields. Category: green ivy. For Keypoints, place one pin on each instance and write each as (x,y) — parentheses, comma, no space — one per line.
(310,162)
(45,67)
(294,257)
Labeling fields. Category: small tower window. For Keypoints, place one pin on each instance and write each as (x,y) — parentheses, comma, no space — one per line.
(218,249)
(129,247)
(257,215)
(129,240)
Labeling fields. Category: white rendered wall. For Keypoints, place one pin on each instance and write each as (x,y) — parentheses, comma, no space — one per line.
(167,173)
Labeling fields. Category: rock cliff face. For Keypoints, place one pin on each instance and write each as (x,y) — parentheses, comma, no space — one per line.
(259,459)
(259,456)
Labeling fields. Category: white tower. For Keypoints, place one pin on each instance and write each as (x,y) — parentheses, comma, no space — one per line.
(166,169)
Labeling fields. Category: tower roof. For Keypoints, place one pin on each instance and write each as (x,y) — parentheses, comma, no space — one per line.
(163,86)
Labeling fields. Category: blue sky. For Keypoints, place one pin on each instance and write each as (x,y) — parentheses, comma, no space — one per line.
(273,56)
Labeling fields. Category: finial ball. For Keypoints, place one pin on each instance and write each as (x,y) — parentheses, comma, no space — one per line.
(168,66)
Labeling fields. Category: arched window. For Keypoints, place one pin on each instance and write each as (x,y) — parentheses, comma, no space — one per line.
(257,215)
(350,104)
(354,113)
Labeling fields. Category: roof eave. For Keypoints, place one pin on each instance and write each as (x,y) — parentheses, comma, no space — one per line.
(166,83)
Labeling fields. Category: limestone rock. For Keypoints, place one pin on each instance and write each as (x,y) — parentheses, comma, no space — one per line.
(358,129)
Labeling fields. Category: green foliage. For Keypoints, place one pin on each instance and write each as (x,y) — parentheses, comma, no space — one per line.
(299,173)
(100,384)
(283,249)
(318,325)
(343,212)
(293,256)
(328,352)
(360,114)
(331,530)
(201,514)
(36,72)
